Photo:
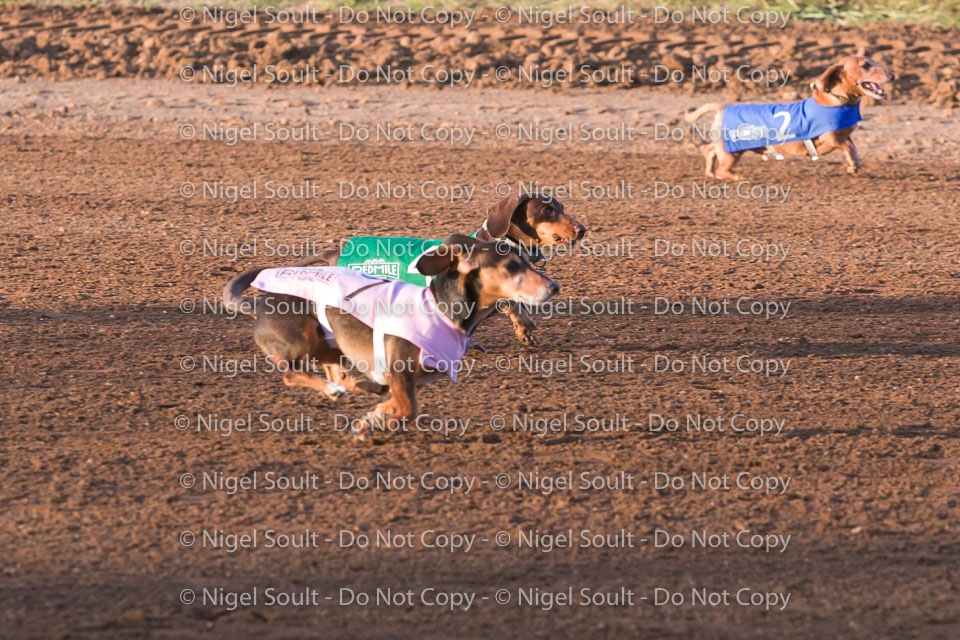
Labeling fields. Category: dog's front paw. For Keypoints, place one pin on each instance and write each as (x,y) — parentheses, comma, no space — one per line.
(853,169)
(476,345)
(362,437)
(362,430)
(523,328)
(525,336)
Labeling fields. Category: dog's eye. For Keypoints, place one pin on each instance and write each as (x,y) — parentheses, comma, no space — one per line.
(866,65)
(513,267)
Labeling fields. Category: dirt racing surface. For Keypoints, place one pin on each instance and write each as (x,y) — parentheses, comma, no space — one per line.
(745,52)
(740,420)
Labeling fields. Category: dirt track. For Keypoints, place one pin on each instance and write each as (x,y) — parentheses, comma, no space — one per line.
(93,333)
(298,46)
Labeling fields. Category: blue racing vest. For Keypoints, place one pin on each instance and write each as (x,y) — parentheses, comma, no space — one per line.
(749,126)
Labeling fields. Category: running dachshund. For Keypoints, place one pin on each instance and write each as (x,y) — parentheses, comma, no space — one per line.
(526,223)
(344,333)
(818,125)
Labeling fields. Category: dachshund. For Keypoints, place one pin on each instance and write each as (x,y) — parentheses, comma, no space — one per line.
(336,329)
(815,126)
(525,222)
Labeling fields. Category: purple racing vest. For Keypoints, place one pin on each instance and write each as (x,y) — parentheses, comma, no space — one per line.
(750,126)
(389,307)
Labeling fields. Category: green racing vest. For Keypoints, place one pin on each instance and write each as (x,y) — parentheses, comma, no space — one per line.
(394,258)
(391,258)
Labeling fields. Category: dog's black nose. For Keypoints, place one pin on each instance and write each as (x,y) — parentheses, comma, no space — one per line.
(582,232)
(554,287)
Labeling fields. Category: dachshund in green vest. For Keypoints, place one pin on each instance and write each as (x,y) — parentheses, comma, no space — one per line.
(526,223)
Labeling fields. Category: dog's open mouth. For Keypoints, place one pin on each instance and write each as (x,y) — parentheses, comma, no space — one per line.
(873,89)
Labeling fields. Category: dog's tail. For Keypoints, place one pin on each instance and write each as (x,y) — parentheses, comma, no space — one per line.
(233,300)
(710,107)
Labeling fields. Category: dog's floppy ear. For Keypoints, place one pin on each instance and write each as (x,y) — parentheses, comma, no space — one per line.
(557,205)
(436,261)
(500,215)
(455,252)
(829,78)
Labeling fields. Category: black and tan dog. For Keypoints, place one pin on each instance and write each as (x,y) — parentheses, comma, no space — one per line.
(469,277)
(527,223)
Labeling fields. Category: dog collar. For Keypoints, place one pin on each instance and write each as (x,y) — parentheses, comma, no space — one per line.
(842,99)
(535,256)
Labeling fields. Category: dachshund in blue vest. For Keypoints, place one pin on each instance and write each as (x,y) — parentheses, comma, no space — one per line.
(815,126)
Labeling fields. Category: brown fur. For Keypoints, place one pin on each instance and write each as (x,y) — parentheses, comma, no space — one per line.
(465,270)
(840,84)
(531,221)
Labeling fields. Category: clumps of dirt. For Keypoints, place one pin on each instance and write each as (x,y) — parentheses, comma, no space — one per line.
(60,42)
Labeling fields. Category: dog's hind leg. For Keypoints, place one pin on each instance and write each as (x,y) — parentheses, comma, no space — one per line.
(709,156)
(335,373)
(295,342)
(295,378)
(725,163)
